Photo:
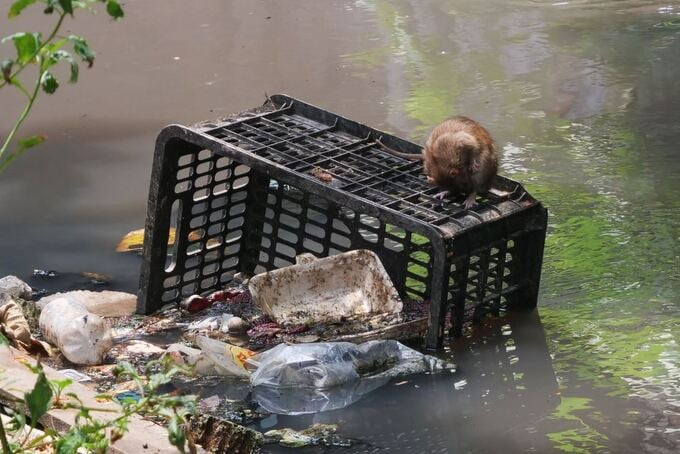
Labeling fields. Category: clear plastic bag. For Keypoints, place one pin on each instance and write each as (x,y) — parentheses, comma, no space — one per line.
(300,401)
(329,364)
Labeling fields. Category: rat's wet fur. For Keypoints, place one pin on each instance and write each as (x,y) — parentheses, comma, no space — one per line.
(458,157)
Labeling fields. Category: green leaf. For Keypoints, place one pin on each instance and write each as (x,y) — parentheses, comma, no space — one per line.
(18,422)
(3,341)
(82,49)
(70,442)
(50,4)
(56,45)
(114,9)
(63,55)
(35,369)
(18,6)
(6,68)
(49,83)
(67,6)
(27,45)
(25,144)
(39,399)
(125,370)
(176,434)
(157,380)
(59,385)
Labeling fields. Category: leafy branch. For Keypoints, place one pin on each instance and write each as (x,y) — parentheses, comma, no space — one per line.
(89,434)
(44,54)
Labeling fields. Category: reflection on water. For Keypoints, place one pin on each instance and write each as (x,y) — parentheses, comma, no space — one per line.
(503,388)
(582,98)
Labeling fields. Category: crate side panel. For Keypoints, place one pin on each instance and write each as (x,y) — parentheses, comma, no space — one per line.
(206,226)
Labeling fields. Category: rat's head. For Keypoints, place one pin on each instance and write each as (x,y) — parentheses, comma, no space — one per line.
(448,158)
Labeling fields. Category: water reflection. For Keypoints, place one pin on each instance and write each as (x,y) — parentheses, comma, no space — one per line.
(503,388)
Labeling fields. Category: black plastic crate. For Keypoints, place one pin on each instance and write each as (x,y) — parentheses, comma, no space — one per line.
(249,193)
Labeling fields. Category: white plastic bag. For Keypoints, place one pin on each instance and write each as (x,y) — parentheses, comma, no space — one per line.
(81,336)
(328,364)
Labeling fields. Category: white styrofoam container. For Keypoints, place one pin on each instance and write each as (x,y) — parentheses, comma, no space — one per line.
(346,286)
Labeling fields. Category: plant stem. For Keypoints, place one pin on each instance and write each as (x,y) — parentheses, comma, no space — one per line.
(3,438)
(28,435)
(37,52)
(21,118)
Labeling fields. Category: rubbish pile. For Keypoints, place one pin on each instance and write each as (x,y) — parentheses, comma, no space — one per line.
(311,337)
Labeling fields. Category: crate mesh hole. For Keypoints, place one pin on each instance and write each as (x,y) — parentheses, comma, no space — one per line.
(175,216)
(185,159)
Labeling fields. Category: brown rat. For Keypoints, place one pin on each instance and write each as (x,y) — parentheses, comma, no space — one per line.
(459,156)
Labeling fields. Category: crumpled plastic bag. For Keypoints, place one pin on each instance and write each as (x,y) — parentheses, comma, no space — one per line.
(329,364)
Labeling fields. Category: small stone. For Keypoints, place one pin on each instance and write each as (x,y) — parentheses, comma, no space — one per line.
(139,348)
(209,404)
(96,278)
(236,325)
(15,287)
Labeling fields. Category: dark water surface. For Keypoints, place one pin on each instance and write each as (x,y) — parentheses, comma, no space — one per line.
(583,98)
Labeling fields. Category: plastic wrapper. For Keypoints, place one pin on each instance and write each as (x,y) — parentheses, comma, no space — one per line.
(330,364)
(228,359)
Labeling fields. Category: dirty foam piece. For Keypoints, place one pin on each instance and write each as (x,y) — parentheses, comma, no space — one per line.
(332,289)
(106,303)
(15,287)
(139,348)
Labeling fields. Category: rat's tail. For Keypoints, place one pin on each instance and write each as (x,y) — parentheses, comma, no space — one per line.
(409,156)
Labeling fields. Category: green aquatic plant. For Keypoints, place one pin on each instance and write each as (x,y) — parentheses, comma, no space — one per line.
(44,53)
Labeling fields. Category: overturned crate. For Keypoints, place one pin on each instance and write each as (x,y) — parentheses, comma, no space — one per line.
(251,192)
